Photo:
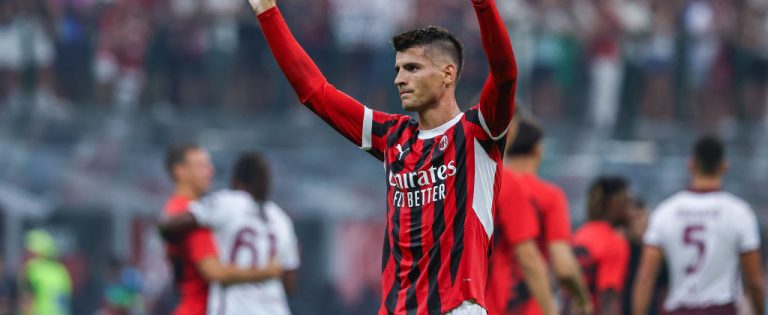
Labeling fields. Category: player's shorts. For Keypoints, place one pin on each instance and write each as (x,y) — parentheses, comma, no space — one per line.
(726,309)
(468,308)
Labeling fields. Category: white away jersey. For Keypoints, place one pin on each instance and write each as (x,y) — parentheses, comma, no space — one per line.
(248,236)
(702,235)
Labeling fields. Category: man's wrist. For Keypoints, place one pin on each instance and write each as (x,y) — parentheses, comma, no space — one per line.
(262,7)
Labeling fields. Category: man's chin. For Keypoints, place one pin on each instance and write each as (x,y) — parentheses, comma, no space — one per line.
(408,107)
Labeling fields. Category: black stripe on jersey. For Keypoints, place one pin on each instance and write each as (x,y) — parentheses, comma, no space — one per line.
(378,154)
(501,144)
(473,117)
(460,185)
(391,300)
(438,227)
(415,231)
(486,144)
(394,136)
(381,129)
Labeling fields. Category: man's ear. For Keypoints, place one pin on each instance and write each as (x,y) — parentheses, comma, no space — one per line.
(724,167)
(450,73)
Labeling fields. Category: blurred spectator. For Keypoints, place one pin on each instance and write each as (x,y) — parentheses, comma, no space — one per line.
(46,283)
(122,43)
(8,291)
(26,35)
(658,62)
(122,295)
(604,30)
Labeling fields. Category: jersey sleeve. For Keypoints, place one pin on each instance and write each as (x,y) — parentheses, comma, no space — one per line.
(612,267)
(653,233)
(497,99)
(199,245)
(346,115)
(515,213)
(748,229)
(208,211)
(556,218)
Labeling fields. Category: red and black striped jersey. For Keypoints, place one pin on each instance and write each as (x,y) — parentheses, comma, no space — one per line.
(441,183)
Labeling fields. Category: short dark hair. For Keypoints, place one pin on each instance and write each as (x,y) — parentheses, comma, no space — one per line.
(600,193)
(251,173)
(528,135)
(709,153)
(177,155)
(434,36)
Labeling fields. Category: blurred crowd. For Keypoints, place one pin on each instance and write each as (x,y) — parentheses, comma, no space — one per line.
(599,62)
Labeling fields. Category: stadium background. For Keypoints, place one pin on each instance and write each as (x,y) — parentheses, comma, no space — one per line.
(103,87)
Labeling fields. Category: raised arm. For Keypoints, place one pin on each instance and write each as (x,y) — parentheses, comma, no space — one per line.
(345,114)
(497,99)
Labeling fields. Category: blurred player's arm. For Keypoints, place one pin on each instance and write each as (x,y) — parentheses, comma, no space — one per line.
(342,112)
(213,270)
(290,279)
(497,100)
(202,250)
(753,279)
(645,280)
(568,273)
(536,278)
(172,227)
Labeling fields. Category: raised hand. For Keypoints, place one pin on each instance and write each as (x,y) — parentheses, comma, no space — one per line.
(260,6)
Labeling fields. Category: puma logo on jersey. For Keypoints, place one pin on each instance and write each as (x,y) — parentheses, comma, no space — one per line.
(402,152)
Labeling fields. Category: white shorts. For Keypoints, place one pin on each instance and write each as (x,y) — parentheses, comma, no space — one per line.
(468,308)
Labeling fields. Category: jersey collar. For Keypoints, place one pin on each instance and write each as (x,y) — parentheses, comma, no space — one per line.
(703,190)
(439,130)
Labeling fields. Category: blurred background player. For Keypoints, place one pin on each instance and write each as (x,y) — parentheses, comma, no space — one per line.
(517,270)
(707,236)
(193,254)
(251,231)
(46,283)
(600,247)
(446,162)
(524,156)
(636,226)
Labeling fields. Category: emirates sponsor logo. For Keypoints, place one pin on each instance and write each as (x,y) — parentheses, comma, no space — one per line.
(422,178)
(421,186)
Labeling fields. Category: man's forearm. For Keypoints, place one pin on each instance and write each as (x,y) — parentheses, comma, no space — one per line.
(496,43)
(568,271)
(536,278)
(641,296)
(575,285)
(213,270)
(298,67)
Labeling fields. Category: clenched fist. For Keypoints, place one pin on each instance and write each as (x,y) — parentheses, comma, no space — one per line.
(259,6)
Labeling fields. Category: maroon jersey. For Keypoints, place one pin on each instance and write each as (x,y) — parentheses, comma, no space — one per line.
(441,183)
